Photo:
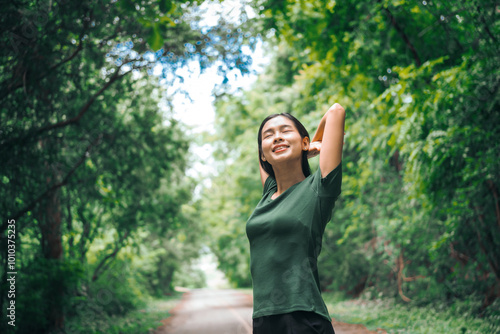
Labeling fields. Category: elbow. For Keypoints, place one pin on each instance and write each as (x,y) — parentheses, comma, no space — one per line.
(337,111)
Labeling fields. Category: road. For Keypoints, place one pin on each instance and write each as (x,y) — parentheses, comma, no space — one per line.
(208,311)
(211,312)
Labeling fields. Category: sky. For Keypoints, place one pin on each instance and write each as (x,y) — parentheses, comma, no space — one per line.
(197,112)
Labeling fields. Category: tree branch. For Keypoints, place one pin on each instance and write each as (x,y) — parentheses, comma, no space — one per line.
(70,224)
(84,236)
(401,266)
(31,206)
(83,110)
(73,55)
(485,24)
(494,192)
(87,236)
(437,22)
(404,36)
(11,88)
(493,264)
(103,265)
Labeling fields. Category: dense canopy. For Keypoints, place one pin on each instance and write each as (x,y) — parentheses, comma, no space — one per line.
(94,164)
(419,213)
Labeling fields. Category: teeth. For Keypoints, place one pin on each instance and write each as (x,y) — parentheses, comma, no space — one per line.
(279,148)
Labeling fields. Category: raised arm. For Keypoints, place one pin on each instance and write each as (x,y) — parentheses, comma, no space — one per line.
(330,134)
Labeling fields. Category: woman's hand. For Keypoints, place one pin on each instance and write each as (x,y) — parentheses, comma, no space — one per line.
(314,149)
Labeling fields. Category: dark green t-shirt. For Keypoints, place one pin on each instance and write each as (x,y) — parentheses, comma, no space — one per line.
(285,237)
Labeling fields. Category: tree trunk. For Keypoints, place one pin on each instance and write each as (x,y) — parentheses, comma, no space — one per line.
(53,251)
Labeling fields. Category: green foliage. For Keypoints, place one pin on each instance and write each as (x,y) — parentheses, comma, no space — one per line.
(189,277)
(47,284)
(95,160)
(396,318)
(117,292)
(418,217)
(139,321)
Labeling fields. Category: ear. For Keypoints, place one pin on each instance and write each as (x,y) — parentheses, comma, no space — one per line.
(305,143)
(263,157)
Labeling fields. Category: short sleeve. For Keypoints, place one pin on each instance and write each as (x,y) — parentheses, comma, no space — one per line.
(330,185)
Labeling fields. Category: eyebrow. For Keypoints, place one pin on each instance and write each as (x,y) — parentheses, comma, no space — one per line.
(281,127)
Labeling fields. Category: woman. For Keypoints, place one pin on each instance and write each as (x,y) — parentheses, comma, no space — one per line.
(286,228)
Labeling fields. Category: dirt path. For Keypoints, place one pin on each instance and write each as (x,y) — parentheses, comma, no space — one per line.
(207,311)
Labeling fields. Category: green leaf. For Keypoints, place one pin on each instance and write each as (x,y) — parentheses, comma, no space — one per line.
(155,39)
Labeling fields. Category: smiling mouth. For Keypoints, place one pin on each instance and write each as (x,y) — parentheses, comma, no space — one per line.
(280,149)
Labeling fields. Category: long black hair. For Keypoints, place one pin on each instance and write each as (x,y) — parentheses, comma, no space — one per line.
(303,133)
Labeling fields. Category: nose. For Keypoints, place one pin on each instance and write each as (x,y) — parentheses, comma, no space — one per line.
(277,137)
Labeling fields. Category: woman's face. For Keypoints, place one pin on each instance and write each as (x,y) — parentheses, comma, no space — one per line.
(281,141)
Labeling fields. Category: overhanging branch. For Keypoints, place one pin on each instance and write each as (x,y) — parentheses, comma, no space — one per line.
(65,181)
(20,83)
(20,140)
(404,36)
(104,264)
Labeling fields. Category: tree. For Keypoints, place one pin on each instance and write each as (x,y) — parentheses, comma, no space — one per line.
(84,139)
(420,87)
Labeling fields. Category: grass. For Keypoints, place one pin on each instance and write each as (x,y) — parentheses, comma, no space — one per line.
(409,319)
(141,321)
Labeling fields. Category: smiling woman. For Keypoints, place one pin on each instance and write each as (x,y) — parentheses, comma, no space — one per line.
(286,229)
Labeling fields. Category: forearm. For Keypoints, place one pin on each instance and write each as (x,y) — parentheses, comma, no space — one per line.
(336,108)
(318,136)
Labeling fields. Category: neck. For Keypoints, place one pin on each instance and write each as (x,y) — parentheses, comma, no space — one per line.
(286,176)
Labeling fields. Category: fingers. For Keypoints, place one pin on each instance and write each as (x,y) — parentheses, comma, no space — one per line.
(314,149)
(312,155)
